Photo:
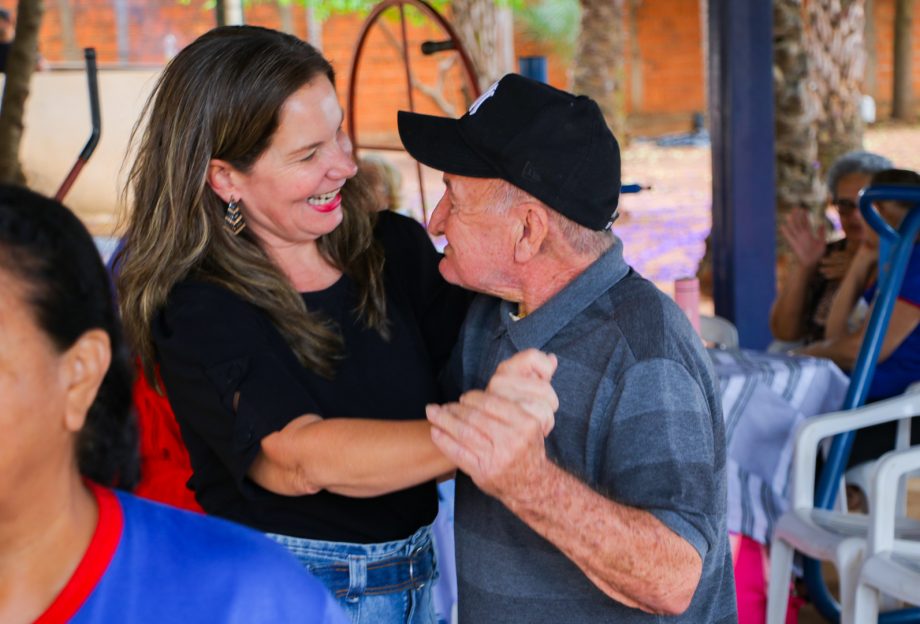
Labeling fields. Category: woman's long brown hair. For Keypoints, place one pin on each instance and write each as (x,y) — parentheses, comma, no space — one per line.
(221,97)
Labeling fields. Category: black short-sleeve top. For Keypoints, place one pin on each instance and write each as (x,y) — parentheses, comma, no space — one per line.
(232,380)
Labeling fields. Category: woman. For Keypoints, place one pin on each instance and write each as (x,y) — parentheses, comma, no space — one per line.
(899,358)
(799,314)
(298,333)
(70,548)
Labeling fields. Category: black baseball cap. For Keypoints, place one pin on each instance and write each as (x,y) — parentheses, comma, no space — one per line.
(552,144)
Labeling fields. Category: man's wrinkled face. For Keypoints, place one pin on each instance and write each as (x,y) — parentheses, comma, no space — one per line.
(480,235)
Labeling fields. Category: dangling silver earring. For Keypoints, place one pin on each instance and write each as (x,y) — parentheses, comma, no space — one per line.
(233,217)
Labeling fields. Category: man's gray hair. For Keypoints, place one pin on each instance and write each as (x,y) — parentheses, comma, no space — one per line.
(859,161)
(582,240)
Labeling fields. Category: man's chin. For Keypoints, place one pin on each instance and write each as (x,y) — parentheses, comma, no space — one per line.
(448,273)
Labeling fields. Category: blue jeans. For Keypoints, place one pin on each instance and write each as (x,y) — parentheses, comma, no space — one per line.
(385,583)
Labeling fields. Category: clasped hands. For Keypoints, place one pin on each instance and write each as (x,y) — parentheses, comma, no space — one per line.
(497,436)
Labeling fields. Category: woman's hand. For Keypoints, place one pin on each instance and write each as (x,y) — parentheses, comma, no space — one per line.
(834,266)
(498,436)
(807,245)
(525,378)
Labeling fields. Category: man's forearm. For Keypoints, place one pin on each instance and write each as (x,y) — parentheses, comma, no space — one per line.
(626,552)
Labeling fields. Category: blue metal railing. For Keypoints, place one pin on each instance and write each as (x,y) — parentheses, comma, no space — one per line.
(895,247)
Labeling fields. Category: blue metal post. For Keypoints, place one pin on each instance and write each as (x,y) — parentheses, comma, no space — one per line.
(533,67)
(743,179)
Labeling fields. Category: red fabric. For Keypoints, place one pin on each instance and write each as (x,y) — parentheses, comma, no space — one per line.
(95,560)
(751,561)
(165,465)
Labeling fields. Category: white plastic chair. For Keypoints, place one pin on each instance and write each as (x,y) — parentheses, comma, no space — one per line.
(828,535)
(891,566)
(719,331)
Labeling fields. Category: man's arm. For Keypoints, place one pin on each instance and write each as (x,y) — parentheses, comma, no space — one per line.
(628,553)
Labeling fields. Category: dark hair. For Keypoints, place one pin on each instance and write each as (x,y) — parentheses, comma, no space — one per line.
(221,97)
(45,246)
(896,177)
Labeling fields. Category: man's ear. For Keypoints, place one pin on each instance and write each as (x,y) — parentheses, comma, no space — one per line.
(535,222)
(223,178)
(86,363)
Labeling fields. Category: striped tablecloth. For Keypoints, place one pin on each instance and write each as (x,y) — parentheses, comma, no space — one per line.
(764,396)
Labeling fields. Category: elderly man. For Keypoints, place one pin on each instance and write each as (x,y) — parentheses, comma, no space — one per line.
(619,514)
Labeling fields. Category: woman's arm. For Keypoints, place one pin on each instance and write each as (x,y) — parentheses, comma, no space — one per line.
(363,457)
(349,456)
(854,283)
(787,315)
(844,349)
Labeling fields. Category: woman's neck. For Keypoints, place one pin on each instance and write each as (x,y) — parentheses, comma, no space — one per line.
(44,534)
(305,266)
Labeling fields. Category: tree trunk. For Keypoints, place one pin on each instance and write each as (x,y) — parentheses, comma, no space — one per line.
(797,180)
(68,39)
(871,83)
(20,64)
(286,17)
(836,46)
(599,70)
(485,33)
(314,28)
(901,96)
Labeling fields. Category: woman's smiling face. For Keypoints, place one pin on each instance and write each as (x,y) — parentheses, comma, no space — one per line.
(291,194)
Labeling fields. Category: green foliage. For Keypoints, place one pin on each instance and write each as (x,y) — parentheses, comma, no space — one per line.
(554,21)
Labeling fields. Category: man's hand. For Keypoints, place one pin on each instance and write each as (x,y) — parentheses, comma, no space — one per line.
(497,436)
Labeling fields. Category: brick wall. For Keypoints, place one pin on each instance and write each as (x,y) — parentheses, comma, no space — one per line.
(664,64)
(884,50)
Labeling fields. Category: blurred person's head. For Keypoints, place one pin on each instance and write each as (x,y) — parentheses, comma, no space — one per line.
(384,181)
(64,374)
(7,30)
(242,157)
(894,211)
(845,178)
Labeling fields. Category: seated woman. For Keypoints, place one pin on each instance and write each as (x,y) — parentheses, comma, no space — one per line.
(72,549)
(299,333)
(899,359)
(800,310)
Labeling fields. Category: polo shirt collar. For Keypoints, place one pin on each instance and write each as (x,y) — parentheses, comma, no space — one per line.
(538,327)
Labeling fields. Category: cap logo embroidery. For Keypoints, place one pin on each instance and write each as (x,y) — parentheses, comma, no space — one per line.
(530,172)
(482,98)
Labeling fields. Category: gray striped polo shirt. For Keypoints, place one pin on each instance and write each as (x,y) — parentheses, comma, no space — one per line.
(639,421)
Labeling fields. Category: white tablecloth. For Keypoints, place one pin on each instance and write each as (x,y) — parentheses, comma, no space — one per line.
(764,396)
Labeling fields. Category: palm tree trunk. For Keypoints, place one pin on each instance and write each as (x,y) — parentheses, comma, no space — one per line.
(797,180)
(836,45)
(20,64)
(901,96)
(599,68)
